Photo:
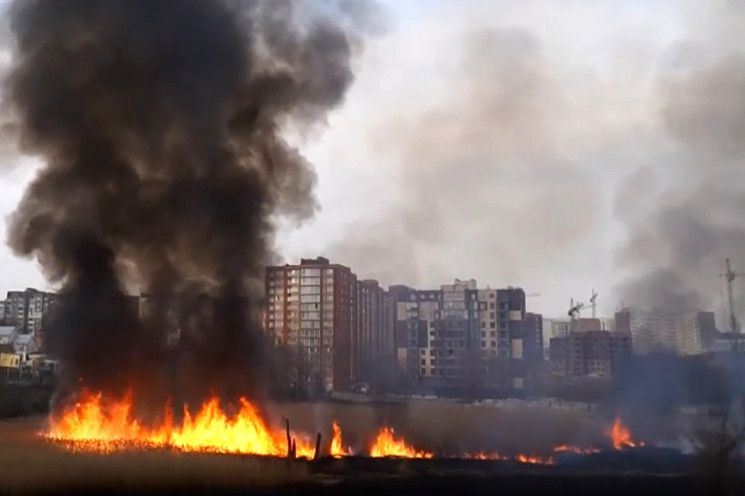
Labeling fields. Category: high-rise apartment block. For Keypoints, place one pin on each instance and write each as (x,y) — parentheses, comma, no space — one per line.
(312,306)
(590,353)
(26,310)
(689,333)
(459,335)
(372,335)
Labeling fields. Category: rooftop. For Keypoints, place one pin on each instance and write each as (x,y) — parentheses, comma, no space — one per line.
(7,330)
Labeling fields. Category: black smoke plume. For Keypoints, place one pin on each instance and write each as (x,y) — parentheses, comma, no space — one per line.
(159,123)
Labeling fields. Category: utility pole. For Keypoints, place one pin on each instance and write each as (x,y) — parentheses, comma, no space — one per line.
(730,277)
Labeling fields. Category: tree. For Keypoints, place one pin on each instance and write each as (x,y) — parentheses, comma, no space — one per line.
(719,445)
(293,373)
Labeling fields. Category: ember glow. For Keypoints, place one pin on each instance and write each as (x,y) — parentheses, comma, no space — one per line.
(481,455)
(620,436)
(568,448)
(535,460)
(337,445)
(98,424)
(387,445)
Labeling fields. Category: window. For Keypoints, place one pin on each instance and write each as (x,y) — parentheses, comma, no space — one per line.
(483,344)
(483,324)
(491,315)
(492,325)
(493,333)
(424,362)
(483,334)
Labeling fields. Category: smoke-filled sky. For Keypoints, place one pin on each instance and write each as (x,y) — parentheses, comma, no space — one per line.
(557,145)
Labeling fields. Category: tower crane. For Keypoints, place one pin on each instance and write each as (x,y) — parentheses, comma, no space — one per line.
(729,277)
(593,303)
(574,309)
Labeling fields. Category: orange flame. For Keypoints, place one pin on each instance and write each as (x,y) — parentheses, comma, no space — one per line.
(620,436)
(535,460)
(567,448)
(103,425)
(481,455)
(386,445)
(337,446)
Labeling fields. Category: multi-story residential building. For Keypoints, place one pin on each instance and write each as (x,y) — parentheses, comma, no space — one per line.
(586,324)
(463,337)
(312,306)
(595,353)
(414,313)
(27,309)
(559,328)
(656,330)
(373,336)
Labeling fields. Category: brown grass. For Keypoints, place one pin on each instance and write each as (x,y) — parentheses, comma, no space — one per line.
(30,464)
(450,426)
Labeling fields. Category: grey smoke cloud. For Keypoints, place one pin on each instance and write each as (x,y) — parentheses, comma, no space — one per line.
(678,244)
(613,160)
(480,175)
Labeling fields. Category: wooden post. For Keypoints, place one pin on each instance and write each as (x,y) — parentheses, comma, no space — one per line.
(289,439)
(317,454)
(294,448)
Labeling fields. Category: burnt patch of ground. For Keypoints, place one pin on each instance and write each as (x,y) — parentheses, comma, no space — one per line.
(435,486)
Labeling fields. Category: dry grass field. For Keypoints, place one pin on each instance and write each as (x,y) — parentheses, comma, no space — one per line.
(28,463)
(450,426)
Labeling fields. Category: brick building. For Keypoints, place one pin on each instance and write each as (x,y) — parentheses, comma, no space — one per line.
(312,306)
(595,353)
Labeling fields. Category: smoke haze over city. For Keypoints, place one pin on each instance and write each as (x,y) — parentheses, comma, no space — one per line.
(558,147)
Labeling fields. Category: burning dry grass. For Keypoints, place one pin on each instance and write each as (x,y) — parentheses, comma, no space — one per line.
(442,426)
(30,464)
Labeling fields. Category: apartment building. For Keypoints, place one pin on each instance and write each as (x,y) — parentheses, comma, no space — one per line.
(373,336)
(27,309)
(313,306)
(460,336)
(653,330)
(591,353)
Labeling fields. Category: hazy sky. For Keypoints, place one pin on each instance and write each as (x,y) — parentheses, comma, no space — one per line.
(488,140)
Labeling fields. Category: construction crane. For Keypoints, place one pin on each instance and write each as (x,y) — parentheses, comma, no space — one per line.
(574,309)
(729,277)
(594,303)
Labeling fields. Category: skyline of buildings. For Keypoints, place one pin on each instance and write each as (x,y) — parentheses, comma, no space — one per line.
(453,338)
